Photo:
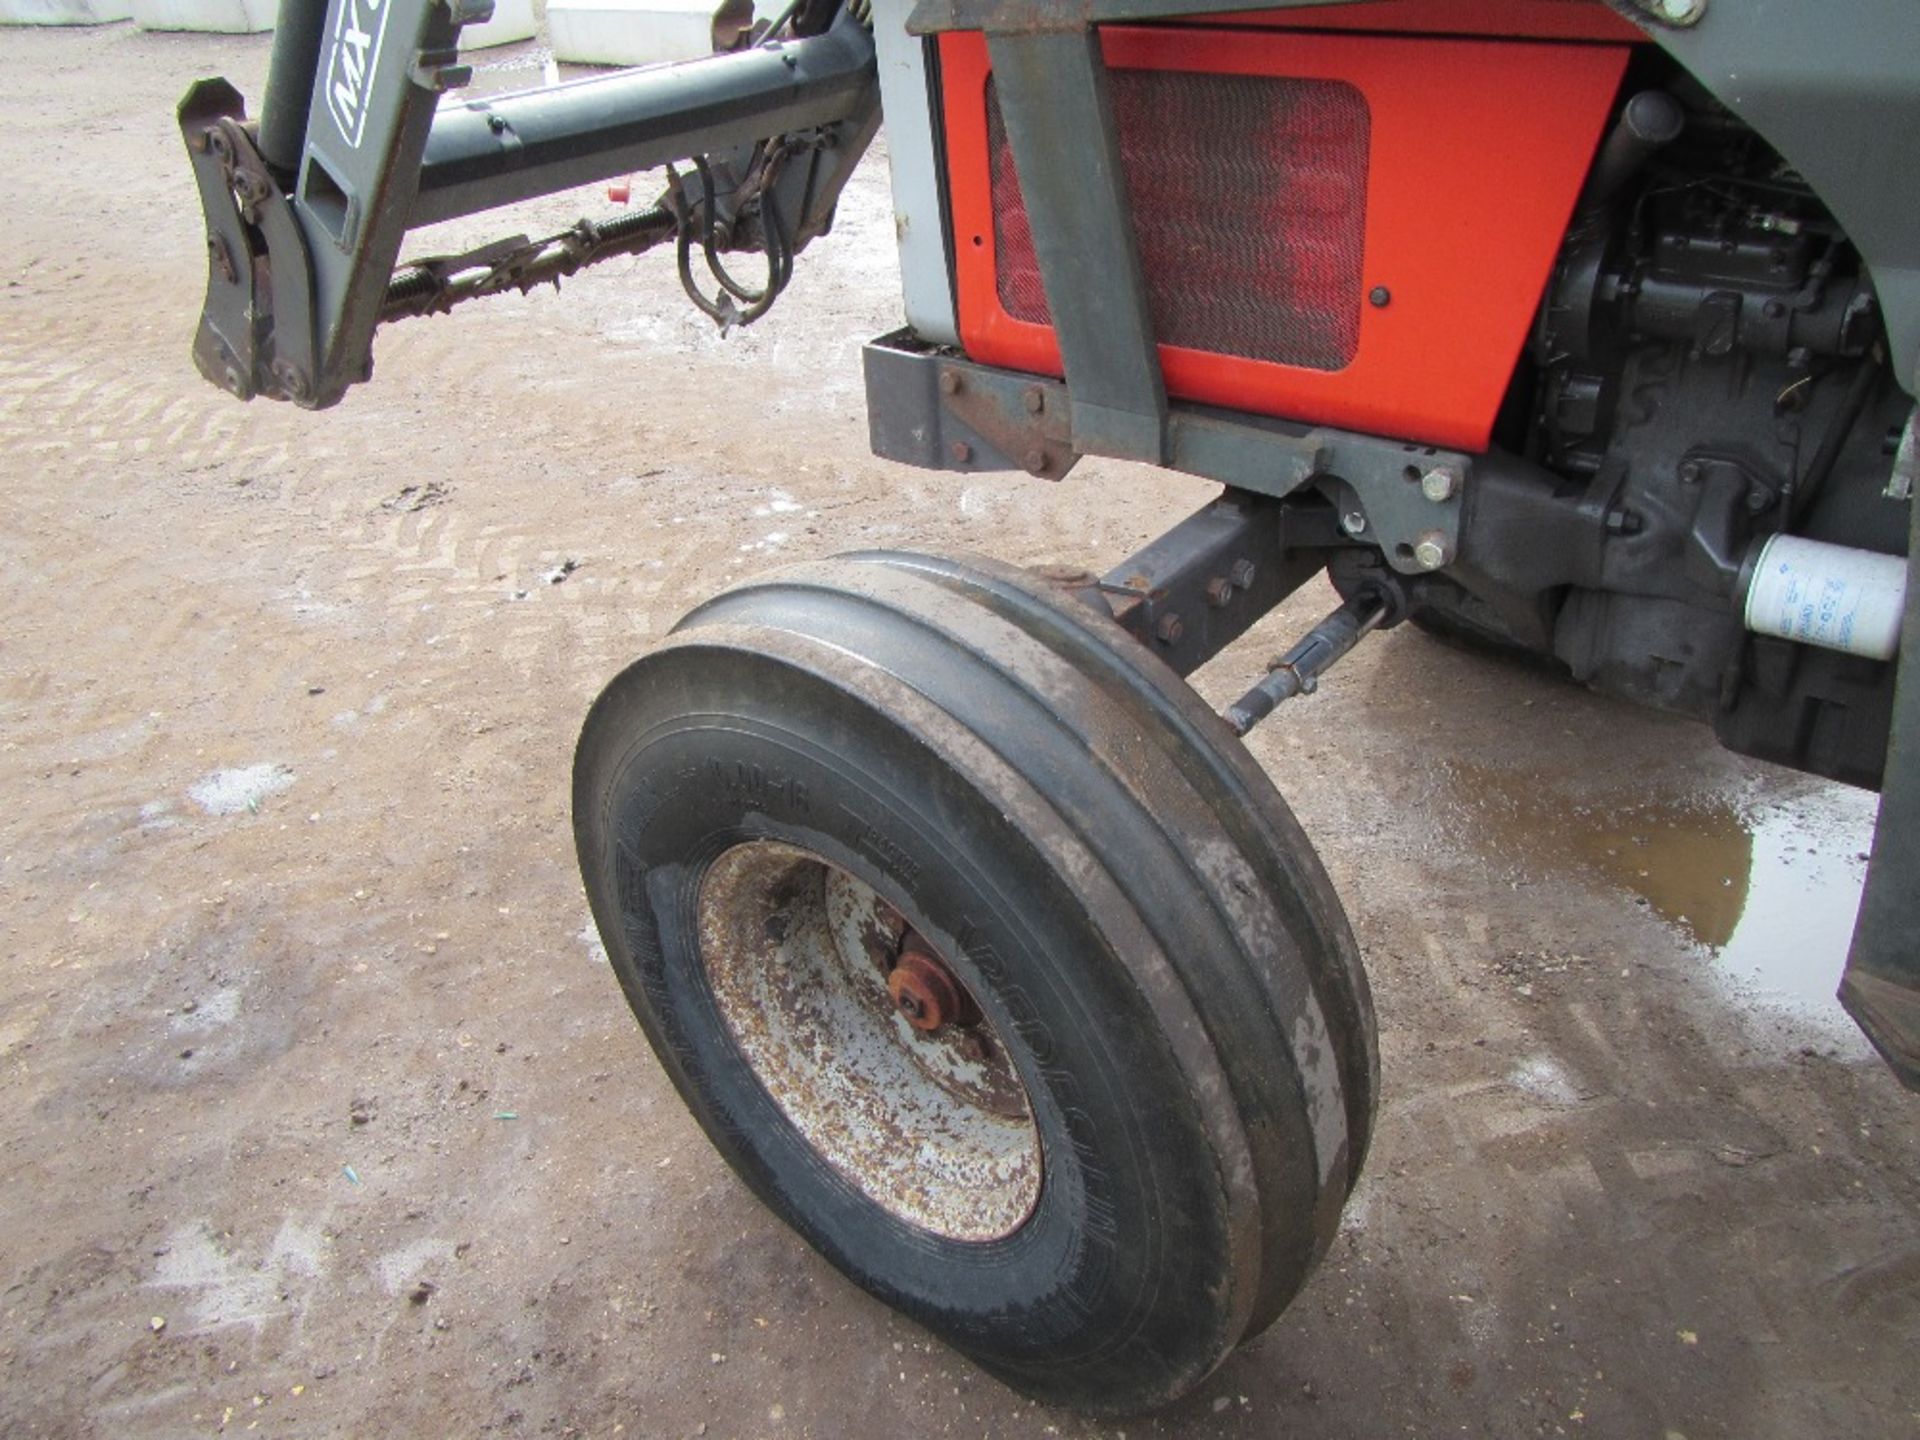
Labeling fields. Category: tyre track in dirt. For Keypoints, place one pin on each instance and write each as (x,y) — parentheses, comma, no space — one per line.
(303,524)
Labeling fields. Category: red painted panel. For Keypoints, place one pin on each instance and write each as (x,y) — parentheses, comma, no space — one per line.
(1477,151)
(1517,19)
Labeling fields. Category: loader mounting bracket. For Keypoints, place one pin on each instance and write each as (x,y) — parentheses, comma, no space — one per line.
(256,328)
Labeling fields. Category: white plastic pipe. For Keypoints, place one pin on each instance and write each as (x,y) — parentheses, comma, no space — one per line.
(1832,596)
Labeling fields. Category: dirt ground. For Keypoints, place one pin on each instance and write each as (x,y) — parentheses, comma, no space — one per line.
(323,1114)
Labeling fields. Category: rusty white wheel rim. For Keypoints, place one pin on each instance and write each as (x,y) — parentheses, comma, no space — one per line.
(937,1127)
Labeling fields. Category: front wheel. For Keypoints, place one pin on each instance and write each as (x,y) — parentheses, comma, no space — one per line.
(989,960)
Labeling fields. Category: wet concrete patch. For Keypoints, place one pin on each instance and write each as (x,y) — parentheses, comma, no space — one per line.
(216,1287)
(191,1014)
(1766,884)
(1545,1079)
(589,936)
(228,792)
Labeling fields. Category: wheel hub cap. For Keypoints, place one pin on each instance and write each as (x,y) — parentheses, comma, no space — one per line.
(868,1042)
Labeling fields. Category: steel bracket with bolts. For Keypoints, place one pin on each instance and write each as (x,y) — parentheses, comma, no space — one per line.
(930,408)
(1410,511)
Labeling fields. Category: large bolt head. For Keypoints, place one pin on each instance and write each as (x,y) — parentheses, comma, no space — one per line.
(1439,485)
(1354,522)
(1432,550)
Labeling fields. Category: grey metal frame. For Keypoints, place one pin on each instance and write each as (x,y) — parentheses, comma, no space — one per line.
(302,254)
(930,408)
(908,95)
(1881,986)
(1053,91)
(501,149)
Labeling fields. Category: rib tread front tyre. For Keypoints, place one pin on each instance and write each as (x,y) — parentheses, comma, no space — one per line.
(1172,982)
(1313,944)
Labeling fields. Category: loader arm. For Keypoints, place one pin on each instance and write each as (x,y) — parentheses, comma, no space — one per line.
(308,210)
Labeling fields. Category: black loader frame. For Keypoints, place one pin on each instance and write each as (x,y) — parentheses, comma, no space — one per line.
(307,211)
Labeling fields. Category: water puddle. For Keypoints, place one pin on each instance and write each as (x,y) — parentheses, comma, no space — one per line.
(1768,884)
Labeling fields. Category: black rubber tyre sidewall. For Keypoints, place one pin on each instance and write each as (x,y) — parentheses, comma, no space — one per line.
(1110,1296)
(1321,949)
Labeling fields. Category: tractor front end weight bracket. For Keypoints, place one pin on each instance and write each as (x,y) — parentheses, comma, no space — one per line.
(930,407)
